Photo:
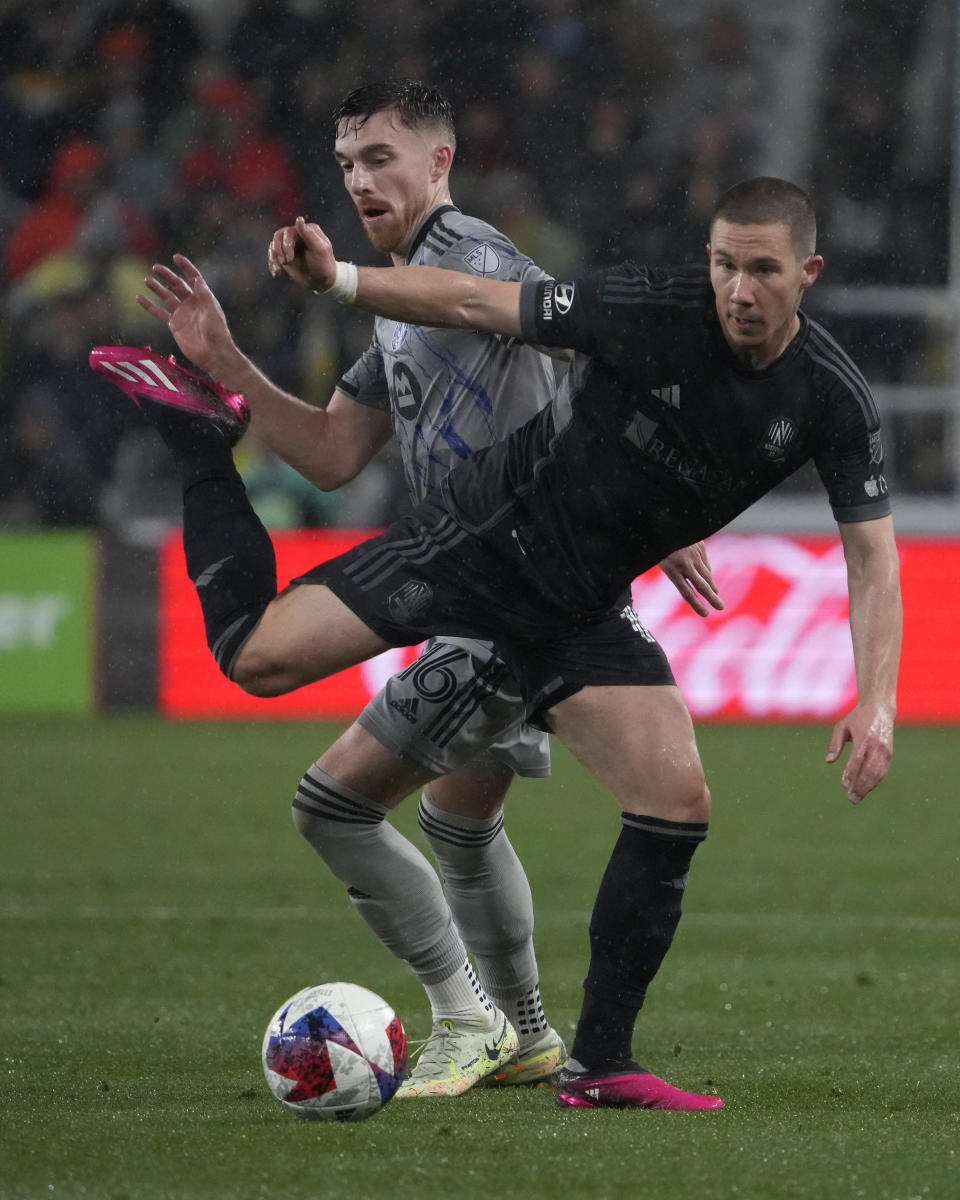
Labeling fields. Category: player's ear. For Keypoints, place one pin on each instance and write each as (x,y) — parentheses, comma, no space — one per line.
(442,158)
(811,269)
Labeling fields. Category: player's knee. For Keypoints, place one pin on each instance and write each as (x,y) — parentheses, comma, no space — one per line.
(687,795)
(310,809)
(260,672)
(701,803)
(308,818)
(309,828)
(691,800)
(687,799)
(330,815)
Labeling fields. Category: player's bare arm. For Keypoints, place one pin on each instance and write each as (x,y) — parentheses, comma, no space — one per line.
(876,622)
(289,254)
(419,295)
(328,447)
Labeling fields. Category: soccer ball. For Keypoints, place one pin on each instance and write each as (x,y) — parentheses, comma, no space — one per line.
(334,1052)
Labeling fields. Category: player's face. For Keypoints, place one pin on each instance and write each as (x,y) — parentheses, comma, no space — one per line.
(758,281)
(394,175)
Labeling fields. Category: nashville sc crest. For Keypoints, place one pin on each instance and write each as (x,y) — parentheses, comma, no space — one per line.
(411,601)
(780,433)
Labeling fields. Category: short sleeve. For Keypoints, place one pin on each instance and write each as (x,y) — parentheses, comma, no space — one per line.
(366,381)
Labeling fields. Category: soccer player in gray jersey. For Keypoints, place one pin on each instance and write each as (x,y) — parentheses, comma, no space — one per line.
(453,723)
(697,392)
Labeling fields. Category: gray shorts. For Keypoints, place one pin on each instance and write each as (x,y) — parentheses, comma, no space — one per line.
(457,703)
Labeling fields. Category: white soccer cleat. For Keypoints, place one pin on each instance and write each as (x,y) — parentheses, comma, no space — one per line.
(536,1065)
(453,1059)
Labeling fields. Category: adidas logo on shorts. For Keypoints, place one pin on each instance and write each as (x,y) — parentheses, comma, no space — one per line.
(406,708)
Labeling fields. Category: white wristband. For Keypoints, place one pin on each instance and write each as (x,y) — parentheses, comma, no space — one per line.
(344,287)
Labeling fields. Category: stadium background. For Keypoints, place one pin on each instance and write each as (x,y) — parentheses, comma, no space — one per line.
(589,132)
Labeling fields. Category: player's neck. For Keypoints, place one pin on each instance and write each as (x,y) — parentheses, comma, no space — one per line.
(399,257)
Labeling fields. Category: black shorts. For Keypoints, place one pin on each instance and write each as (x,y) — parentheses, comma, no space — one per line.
(428,577)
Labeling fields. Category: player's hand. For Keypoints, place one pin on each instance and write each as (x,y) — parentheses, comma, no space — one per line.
(192,313)
(689,572)
(305,253)
(869,730)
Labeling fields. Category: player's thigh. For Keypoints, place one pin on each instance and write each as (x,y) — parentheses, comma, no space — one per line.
(475,790)
(305,634)
(363,763)
(639,742)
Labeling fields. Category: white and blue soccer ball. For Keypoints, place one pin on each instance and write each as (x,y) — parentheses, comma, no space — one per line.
(334,1052)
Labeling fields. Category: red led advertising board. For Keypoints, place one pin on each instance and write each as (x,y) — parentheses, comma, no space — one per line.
(780,650)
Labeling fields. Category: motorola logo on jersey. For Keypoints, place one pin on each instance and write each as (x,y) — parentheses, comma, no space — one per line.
(779,436)
(406,391)
(563,297)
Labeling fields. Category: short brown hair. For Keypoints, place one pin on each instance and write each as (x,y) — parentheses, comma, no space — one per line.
(766,200)
(417,105)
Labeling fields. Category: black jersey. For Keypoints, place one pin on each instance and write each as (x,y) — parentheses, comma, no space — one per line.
(659,435)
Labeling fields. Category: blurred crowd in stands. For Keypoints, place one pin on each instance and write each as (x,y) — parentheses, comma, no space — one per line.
(589,130)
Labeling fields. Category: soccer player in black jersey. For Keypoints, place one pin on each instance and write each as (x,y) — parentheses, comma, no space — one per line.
(693,393)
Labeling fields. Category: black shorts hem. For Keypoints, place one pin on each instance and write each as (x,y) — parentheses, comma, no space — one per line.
(353,598)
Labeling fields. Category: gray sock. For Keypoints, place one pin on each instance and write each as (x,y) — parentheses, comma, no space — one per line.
(487,890)
(389,882)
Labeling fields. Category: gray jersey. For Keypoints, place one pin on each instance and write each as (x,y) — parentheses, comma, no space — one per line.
(452,392)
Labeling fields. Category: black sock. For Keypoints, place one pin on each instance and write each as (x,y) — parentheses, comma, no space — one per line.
(196,442)
(636,913)
(229,554)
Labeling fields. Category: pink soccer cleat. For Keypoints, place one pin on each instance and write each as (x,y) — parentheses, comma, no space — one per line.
(625,1088)
(145,375)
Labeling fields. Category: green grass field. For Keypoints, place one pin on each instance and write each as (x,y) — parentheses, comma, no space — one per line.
(156,906)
